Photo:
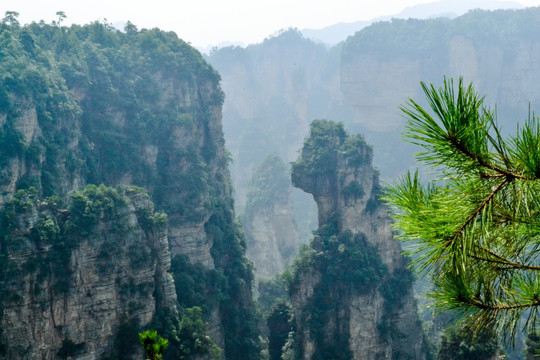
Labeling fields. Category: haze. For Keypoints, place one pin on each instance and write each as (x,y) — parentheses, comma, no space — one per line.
(211,22)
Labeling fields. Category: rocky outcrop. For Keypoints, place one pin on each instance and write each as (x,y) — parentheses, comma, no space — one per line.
(71,277)
(351,287)
(272,237)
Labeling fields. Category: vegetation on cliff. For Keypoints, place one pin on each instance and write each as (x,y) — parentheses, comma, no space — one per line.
(102,78)
(320,150)
(412,37)
(280,325)
(61,229)
(327,142)
(41,238)
(93,105)
(270,181)
(348,265)
(461,344)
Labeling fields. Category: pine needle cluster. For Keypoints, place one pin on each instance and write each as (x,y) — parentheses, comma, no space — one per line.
(475,229)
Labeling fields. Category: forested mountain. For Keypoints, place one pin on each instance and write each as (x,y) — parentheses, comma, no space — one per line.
(382,65)
(337,33)
(116,207)
(85,266)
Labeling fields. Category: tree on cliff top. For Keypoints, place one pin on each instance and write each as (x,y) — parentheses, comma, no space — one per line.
(476,229)
(153,344)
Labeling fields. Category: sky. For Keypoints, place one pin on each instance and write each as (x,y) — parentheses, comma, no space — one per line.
(205,23)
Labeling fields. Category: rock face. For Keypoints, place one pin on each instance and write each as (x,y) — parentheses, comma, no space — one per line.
(178,160)
(351,287)
(92,105)
(272,237)
(68,278)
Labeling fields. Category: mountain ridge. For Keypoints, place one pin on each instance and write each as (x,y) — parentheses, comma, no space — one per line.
(334,34)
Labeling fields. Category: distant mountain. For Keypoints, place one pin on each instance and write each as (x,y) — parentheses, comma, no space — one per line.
(336,33)
(454,8)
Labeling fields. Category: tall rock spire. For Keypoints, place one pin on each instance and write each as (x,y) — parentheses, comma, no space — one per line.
(351,291)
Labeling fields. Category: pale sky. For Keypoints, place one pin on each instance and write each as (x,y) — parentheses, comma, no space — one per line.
(210,22)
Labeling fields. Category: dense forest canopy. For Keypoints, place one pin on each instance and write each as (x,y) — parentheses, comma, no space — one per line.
(115,74)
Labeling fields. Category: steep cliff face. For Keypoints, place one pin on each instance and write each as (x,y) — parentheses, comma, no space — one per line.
(135,116)
(90,105)
(350,286)
(363,81)
(73,276)
(272,237)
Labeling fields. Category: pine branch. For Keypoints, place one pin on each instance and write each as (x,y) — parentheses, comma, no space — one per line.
(510,265)
(475,157)
(491,282)
(476,212)
(487,176)
(483,306)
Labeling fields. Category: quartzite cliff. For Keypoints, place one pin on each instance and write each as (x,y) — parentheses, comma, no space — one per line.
(350,290)
(92,105)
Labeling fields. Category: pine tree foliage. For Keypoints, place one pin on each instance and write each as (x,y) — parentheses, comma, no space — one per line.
(532,350)
(475,229)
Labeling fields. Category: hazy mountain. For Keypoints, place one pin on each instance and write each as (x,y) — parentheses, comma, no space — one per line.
(336,33)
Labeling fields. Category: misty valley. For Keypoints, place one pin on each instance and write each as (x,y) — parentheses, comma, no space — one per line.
(161,203)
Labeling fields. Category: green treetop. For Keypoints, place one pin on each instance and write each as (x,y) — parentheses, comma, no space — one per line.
(153,344)
(476,228)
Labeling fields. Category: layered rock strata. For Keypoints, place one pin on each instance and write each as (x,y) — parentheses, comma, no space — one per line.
(74,278)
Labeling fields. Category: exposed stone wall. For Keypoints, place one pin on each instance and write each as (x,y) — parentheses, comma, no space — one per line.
(120,111)
(112,275)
